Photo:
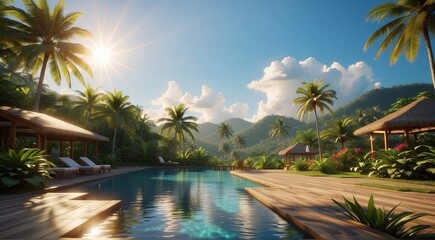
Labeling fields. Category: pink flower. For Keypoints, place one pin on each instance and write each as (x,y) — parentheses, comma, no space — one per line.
(357,150)
(401,147)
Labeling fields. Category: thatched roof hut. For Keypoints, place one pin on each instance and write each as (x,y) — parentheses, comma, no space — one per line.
(18,122)
(416,117)
(297,150)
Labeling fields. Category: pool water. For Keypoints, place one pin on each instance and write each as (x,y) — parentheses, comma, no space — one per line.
(186,204)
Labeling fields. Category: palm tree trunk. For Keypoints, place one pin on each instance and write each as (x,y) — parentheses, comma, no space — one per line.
(430,54)
(114,138)
(40,83)
(318,132)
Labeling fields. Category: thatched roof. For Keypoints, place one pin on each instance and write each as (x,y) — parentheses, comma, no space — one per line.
(297,149)
(418,116)
(28,122)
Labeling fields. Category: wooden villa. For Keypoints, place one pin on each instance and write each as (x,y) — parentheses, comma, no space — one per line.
(18,122)
(414,118)
(295,150)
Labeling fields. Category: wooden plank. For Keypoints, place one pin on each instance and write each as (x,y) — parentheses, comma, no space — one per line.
(52,215)
(307,202)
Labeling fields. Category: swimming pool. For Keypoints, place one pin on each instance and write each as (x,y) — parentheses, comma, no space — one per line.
(186,204)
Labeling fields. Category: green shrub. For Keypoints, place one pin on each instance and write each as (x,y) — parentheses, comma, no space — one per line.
(324,165)
(300,165)
(346,159)
(384,221)
(112,159)
(26,169)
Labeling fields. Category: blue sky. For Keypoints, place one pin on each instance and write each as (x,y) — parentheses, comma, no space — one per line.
(236,58)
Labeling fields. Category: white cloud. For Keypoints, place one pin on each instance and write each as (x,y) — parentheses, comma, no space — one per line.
(209,107)
(282,78)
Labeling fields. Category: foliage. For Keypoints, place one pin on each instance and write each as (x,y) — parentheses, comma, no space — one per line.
(340,130)
(324,165)
(417,163)
(300,165)
(197,157)
(23,169)
(41,38)
(346,159)
(379,218)
(178,124)
(314,97)
(410,21)
(225,131)
(279,129)
(112,159)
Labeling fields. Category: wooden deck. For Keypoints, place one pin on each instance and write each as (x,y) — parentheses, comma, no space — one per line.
(306,201)
(51,215)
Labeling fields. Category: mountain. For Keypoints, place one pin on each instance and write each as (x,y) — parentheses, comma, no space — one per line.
(210,135)
(383,98)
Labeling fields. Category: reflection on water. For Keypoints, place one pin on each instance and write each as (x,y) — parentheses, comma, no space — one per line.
(186,204)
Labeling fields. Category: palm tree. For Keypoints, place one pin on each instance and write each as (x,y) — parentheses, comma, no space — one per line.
(339,129)
(178,123)
(44,38)
(117,112)
(225,131)
(278,129)
(314,96)
(239,141)
(410,20)
(307,137)
(88,100)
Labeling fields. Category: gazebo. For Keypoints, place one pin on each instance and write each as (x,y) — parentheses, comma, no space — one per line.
(17,122)
(298,149)
(414,118)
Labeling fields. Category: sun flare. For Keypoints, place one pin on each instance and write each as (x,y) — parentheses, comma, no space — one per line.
(102,55)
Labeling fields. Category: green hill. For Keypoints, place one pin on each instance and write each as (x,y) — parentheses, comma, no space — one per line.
(383,98)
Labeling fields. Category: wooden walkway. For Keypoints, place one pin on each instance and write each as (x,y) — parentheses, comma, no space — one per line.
(306,201)
(51,215)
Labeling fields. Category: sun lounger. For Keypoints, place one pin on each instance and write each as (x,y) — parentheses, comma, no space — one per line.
(82,169)
(168,163)
(89,162)
(63,172)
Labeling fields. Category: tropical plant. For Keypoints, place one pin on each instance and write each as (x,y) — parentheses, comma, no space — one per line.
(323,165)
(225,131)
(380,219)
(339,129)
(239,141)
(410,19)
(117,111)
(346,159)
(200,157)
(44,36)
(112,159)
(279,129)
(307,137)
(185,157)
(87,102)
(225,147)
(314,97)
(178,124)
(23,169)
(300,165)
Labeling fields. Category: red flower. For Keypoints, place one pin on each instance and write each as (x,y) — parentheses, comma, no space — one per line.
(357,150)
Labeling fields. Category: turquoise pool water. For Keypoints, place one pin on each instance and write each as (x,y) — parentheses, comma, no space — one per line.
(186,204)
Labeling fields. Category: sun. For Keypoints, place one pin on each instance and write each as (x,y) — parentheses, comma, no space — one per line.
(102,55)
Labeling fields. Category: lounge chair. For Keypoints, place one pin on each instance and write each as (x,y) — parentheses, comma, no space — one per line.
(88,162)
(63,172)
(168,163)
(82,169)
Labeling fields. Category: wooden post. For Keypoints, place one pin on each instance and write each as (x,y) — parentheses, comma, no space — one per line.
(38,140)
(372,146)
(407,137)
(96,149)
(386,139)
